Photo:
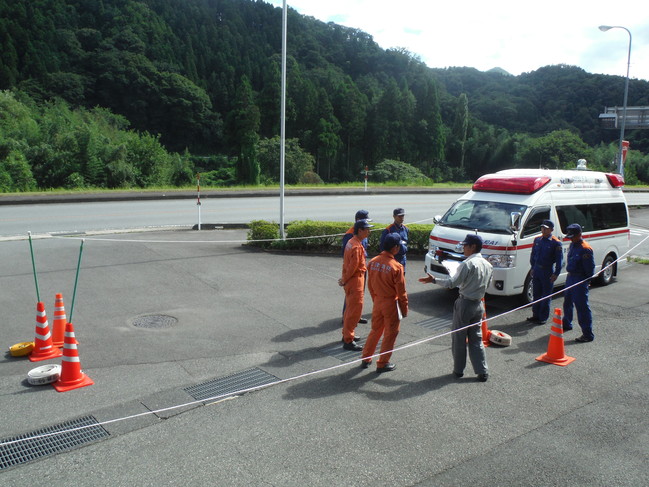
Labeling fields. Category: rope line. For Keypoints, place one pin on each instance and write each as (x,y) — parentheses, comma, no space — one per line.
(74,237)
(312,373)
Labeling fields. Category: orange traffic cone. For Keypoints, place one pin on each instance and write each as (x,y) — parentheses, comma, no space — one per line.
(486,333)
(556,354)
(58,328)
(43,348)
(72,377)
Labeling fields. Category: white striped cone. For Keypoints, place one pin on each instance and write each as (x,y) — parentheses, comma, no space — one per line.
(556,353)
(72,377)
(43,347)
(58,328)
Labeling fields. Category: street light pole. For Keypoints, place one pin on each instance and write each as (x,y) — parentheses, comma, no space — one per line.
(620,161)
(282,143)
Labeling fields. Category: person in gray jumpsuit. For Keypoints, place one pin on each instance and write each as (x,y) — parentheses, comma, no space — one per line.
(472,278)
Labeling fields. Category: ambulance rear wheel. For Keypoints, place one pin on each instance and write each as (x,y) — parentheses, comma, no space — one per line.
(606,276)
(528,290)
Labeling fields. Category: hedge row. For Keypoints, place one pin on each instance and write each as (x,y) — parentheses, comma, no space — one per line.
(326,236)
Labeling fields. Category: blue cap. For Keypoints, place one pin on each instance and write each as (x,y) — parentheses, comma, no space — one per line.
(391,240)
(573,229)
(472,239)
(398,212)
(363,215)
(548,224)
(361,224)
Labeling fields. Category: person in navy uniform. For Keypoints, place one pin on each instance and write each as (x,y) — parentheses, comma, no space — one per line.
(399,215)
(546,262)
(360,215)
(580,265)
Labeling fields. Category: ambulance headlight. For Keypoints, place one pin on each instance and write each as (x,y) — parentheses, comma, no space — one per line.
(501,261)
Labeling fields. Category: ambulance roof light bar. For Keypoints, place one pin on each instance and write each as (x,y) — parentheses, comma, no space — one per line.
(502,184)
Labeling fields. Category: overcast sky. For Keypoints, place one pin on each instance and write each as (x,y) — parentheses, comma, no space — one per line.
(517,36)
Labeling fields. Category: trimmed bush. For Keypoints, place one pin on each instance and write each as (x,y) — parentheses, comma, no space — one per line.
(262,230)
(327,236)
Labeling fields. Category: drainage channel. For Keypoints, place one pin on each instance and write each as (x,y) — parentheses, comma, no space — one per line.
(232,383)
(435,324)
(27,448)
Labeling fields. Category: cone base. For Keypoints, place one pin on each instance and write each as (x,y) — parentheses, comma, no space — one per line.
(82,381)
(565,360)
(54,353)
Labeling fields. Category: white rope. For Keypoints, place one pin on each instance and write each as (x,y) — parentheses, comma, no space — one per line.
(307,374)
(74,237)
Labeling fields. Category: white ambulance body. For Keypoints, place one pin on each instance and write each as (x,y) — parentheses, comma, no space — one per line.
(507,208)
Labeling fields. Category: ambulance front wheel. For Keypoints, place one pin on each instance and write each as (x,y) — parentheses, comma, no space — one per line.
(528,290)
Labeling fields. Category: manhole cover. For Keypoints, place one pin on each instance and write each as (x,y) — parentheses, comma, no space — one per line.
(155,321)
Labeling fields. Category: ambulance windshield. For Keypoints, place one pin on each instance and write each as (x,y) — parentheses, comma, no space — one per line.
(484,216)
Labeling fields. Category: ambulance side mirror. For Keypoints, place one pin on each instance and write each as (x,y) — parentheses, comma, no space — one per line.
(515,221)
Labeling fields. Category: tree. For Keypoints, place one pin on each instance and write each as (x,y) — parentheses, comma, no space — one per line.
(15,173)
(459,131)
(244,127)
(559,149)
(296,161)
(390,170)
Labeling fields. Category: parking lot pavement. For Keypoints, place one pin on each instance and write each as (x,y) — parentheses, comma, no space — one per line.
(323,421)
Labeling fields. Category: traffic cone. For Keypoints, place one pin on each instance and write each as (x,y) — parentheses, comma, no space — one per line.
(43,348)
(486,333)
(556,354)
(58,328)
(72,377)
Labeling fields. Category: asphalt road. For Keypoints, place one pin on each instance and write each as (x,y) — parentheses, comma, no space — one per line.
(325,421)
(99,213)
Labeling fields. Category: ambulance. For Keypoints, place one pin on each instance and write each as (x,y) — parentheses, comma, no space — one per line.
(507,208)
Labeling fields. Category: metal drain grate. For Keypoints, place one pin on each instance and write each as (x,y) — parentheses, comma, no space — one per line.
(155,321)
(437,323)
(337,351)
(232,383)
(32,448)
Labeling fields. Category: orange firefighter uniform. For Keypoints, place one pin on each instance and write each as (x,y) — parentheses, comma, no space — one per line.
(353,280)
(387,287)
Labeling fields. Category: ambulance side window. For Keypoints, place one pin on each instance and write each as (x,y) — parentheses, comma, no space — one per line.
(533,223)
(593,217)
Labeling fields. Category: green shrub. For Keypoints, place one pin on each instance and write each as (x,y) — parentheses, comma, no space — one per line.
(327,236)
(261,231)
(310,177)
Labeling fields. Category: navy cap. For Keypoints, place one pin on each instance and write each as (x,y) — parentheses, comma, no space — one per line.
(391,240)
(573,229)
(472,239)
(361,224)
(363,215)
(548,224)
(398,212)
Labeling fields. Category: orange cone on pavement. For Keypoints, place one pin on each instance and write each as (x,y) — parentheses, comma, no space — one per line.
(58,328)
(72,377)
(556,354)
(486,333)
(43,348)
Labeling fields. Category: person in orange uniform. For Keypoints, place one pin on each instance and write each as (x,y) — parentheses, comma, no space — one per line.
(353,280)
(385,280)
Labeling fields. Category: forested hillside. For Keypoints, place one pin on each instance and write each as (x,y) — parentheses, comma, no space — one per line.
(199,81)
